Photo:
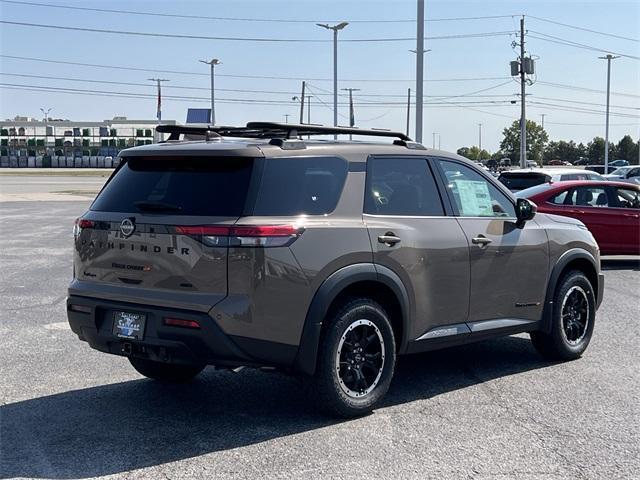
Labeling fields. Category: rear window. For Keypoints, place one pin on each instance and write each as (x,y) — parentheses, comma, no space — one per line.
(207,186)
(520,181)
(300,185)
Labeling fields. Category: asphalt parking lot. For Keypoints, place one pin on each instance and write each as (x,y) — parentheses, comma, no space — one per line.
(488,410)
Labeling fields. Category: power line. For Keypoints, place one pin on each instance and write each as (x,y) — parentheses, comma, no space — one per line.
(261,77)
(240,19)
(273,92)
(584,29)
(245,39)
(585,89)
(570,43)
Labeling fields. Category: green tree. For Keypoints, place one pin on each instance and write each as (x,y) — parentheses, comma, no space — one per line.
(474,153)
(537,138)
(561,150)
(595,151)
(627,149)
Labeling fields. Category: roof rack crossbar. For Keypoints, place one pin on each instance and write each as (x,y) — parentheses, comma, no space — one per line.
(275,130)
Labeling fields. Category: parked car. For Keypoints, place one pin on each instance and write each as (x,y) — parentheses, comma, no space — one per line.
(520,179)
(610,210)
(253,247)
(596,168)
(629,174)
(618,163)
(558,162)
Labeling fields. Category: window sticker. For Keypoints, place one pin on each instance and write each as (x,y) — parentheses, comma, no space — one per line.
(475,200)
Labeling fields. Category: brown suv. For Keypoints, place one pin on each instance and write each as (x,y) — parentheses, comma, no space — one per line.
(248,246)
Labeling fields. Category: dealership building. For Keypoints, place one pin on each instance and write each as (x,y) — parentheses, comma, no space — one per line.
(28,142)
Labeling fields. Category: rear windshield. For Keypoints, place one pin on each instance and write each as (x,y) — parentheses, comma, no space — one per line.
(300,185)
(208,186)
(520,181)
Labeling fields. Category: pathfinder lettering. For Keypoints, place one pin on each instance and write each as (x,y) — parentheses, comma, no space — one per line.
(135,248)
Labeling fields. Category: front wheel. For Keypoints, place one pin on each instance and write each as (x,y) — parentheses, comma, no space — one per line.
(165,372)
(356,359)
(572,320)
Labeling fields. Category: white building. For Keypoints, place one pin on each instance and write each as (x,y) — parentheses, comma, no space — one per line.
(25,141)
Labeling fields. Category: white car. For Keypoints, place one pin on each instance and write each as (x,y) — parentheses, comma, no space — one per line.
(519,179)
(630,174)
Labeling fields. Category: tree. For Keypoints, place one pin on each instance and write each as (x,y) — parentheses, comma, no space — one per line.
(595,151)
(627,149)
(537,138)
(474,153)
(561,150)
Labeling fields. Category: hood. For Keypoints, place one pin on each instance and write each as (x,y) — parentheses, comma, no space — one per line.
(567,220)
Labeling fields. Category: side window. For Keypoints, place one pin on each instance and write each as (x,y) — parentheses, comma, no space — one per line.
(562,198)
(473,194)
(591,197)
(627,198)
(303,185)
(635,172)
(401,186)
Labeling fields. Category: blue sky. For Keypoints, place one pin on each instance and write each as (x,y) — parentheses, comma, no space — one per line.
(382,70)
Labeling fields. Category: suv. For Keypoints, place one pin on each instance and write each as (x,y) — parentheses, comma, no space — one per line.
(251,247)
(519,179)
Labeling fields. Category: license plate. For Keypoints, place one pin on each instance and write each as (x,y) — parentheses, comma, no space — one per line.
(129,325)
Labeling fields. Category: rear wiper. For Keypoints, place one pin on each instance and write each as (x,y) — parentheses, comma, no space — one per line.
(145,206)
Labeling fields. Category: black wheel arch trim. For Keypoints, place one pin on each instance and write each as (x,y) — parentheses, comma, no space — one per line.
(564,260)
(332,286)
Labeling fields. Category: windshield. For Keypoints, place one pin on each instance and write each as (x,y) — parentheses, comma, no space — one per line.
(620,171)
(531,191)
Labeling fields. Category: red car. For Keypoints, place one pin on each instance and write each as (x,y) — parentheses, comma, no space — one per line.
(610,210)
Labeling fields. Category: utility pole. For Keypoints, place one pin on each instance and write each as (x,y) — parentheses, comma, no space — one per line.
(159,105)
(301,99)
(335,29)
(480,136)
(608,58)
(439,140)
(213,62)
(433,145)
(419,69)
(523,116)
(352,116)
(46,127)
(304,85)
(286,118)
(543,115)
(408,108)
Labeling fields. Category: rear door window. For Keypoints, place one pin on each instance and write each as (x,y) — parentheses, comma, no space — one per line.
(401,186)
(300,185)
(207,186)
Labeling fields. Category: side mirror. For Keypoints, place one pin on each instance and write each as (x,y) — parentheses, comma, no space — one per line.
(525,210)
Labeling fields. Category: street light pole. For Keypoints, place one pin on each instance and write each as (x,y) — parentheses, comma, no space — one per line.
(419,69)
(213,62)
(434,140)
(608,58)
(335,29)
(480,136)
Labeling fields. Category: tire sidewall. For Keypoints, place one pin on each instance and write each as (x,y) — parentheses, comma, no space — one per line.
(570,280)
(358,310)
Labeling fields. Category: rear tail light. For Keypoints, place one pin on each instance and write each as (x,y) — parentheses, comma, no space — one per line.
(181,322)
(244,235)
(81,224)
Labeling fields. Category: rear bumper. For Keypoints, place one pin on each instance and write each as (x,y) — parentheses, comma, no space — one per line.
(208,345)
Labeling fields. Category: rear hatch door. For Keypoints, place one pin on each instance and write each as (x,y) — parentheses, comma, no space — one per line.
(156,230)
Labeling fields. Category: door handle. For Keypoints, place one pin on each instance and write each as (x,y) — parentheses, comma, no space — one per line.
(632,215)
(389,239)
(481,240)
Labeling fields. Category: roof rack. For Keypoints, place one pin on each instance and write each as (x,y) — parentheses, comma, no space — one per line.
(273,130)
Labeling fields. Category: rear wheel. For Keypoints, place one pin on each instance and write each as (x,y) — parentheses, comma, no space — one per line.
(165,372)
(572,319)
(356,359)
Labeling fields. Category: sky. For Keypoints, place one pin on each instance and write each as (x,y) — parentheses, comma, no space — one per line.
(467,78)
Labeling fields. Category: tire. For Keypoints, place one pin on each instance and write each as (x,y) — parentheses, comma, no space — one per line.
(356,359)
(165,372)
(572,321)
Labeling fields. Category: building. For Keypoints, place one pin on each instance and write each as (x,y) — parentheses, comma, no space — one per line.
(27,142)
